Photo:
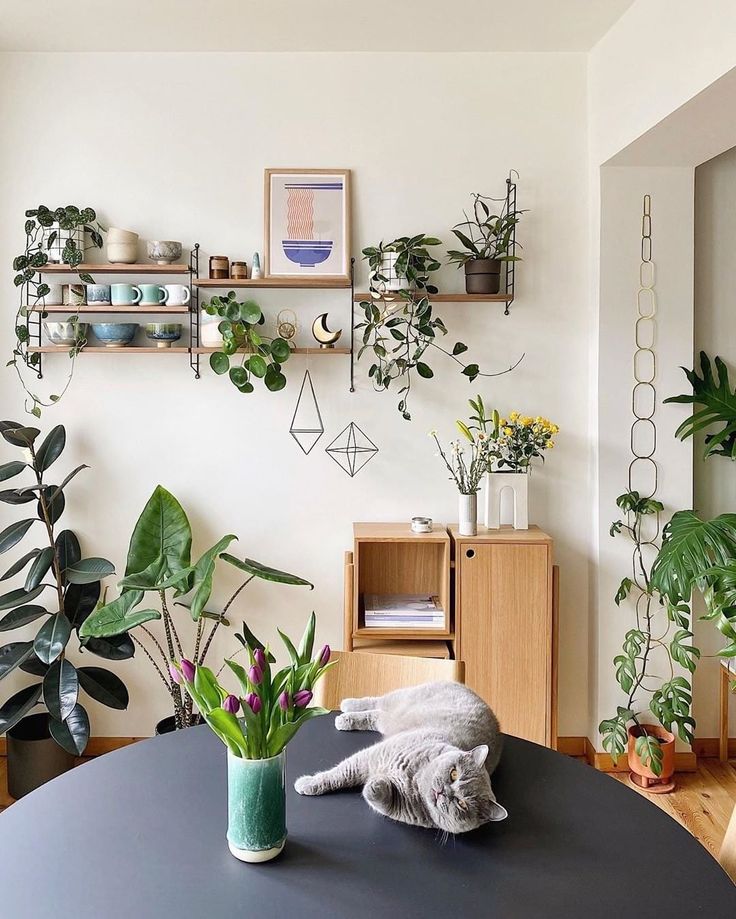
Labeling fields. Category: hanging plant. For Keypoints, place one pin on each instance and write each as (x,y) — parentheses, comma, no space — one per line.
(400,326)
(257,355)
(57,230)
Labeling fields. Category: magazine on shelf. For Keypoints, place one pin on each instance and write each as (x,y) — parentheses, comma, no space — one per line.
(403,611)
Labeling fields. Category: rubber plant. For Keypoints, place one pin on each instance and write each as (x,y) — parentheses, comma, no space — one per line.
(662,629)
(41,227)
(159,563)
(400,327)
(68,586)
(258,357)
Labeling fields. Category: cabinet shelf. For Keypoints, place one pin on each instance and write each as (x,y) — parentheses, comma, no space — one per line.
(70,309)
(442,298)
(108,268)
(94,349)
(325,351)
(277,283)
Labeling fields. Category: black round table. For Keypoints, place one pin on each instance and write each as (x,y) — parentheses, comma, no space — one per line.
(140,833)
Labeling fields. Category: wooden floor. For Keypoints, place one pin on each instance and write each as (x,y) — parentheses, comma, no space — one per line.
(702,802)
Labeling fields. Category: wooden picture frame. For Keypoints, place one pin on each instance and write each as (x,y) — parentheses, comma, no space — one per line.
(307,216)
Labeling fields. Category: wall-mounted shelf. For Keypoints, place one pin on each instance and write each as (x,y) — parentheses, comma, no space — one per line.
(441,298)
(107,268)
(94,349)
(277,283)
(70,309)
(325,351)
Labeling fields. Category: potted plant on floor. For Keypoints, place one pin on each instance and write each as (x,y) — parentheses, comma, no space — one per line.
(160,563)
(43,745)
(487,240)
(273,706)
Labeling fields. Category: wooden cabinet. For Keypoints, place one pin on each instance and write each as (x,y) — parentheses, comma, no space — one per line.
(505,630)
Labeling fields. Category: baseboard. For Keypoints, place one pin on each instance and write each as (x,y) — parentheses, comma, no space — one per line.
(709,747)
(603,762)
(571,746)
(96,746)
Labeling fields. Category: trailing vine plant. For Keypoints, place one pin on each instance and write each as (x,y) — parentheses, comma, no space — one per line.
(400,326)
(42,227)
(656,617)
(257,355)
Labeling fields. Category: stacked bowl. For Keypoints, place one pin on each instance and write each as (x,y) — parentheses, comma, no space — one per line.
(122,246)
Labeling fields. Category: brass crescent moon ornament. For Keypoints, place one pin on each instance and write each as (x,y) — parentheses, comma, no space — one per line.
(322,334)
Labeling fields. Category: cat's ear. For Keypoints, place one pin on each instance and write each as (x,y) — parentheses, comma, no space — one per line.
(479,754)
(497,812)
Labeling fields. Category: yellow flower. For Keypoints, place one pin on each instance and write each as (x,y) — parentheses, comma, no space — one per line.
(526,421)
(550,444)
(513,416)
(508,432)
(502,422)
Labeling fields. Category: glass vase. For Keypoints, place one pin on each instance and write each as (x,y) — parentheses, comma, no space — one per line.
(256,807)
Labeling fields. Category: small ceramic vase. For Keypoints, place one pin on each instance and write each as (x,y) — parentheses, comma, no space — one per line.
(518,485)
(256,807)
(468,515)
(256,271)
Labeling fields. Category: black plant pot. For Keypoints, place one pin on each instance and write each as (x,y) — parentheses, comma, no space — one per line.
(168,725)
(483,276)
(34,757)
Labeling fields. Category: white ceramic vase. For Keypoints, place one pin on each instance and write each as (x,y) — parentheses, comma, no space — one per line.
(518,483)
(468,515)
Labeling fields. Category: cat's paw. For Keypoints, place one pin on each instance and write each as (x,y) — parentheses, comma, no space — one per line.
(344,722)
(307,785)
(379,792)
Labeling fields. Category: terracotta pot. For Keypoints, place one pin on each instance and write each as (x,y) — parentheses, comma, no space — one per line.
(483,276)
(667,742)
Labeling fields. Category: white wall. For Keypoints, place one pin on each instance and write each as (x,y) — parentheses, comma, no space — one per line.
(174,146)
(715,333)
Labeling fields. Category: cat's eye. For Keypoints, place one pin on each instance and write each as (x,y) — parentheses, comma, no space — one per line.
(453,775)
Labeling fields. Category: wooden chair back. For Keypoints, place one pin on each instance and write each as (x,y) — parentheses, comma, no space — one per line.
(727,855)
(360,673)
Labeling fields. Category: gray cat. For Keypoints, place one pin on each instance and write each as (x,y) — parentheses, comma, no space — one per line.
(433,769)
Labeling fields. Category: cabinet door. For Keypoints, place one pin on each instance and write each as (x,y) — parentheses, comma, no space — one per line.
(505,632)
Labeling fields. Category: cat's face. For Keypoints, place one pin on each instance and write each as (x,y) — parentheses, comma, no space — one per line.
(457,791)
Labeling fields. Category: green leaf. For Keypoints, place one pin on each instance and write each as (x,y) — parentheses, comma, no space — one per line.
(219,362)
(13,655)
(20,564)
(203,573)
(719,403)
(625,671)
(18,706)
(18,435)
(682,651)
(13,534)
(104,686)
(19,596)
(257,366)
(472,371)
(73,733)
(55,502)
(250,312)
(293,653)
(67,549)
(228,729)
(88,570)
(274,379)
(424,370)
(80,600)
(21,616)
(51,448)
(60,689)
(649,750)
(162,532)
(250,566)
(117,616)
(279,738)
(624,589)
(39,568)
(9,470)
(238,376)
(306,645)
(52,638)
(459,348)
(113,648)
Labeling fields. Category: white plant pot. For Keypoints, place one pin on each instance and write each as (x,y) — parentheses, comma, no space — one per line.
(468,515)
(209,334)
(55,250)
(496,484)
(393,280)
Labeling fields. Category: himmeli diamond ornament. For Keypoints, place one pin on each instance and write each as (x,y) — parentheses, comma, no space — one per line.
(352,449)
(306,426)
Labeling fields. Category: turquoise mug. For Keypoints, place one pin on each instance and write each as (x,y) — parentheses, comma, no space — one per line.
(125,294)
(152,294)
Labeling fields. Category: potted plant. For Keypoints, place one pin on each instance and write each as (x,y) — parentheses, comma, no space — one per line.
(52,235)
(662,629)
(467,472)
(273,706)
(487,239)
(43,745)
(260,357)
(160,563)
(399,325)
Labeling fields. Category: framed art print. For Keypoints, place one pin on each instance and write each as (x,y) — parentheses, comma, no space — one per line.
(307,224)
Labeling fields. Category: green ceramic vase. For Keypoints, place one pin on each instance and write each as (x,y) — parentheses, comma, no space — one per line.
(256,807)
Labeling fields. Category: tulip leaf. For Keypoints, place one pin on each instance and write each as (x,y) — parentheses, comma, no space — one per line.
(104,686)
(256,569)
(88,570)
(279,738)
(228,729)
(18,706)
(52,638)
(73,733)
(13,655)
(306,645)
(60,689)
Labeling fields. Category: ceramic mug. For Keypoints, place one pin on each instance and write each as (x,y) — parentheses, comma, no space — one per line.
(176,294)
(152,294)
(125,294)
(55,296)
(98,293)
(74,294)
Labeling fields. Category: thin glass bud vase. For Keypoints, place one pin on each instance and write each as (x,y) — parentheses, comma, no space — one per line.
(256,807)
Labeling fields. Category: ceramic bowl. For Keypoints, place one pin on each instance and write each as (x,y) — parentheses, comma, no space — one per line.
(114,334)
(164,251)
(163,333)
(65,333)
(116,235)
(123,253)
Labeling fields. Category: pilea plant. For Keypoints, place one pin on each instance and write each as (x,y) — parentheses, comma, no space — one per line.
(257,355)
(46,229)
(399,325)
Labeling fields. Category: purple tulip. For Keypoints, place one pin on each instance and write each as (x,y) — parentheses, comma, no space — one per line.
(324,655)
(260,658)
(231,704)
(302,698)
(188,670)
(255,675)
(254,702)
(174,674)
(284,701)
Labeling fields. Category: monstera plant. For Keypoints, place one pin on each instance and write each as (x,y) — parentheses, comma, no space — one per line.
(60,591)
(160,566)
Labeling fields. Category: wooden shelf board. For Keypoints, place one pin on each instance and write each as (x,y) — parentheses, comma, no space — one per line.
(398,532)
(405,647)
(319,351)
(109,268)
(69,309)
(506,534)
(276,283)
(94,349)
(444,298)
(363,632)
